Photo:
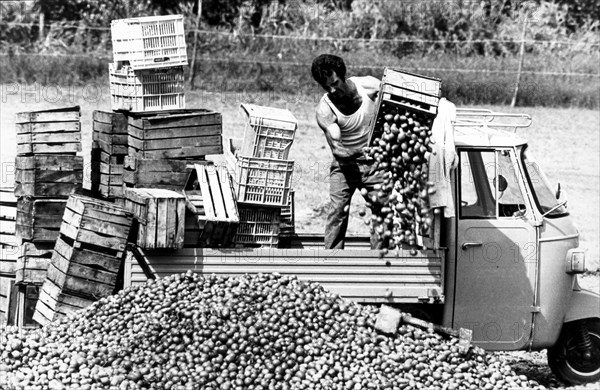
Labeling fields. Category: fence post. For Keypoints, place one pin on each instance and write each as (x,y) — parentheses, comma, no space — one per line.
(521,58)
(193,66)
(41,27)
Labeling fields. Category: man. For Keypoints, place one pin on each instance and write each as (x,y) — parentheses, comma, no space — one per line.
(344,114)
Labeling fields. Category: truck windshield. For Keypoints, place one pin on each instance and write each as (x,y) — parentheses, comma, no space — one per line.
(542,191)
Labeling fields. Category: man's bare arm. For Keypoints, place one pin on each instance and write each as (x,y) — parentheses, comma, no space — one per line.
(327,121)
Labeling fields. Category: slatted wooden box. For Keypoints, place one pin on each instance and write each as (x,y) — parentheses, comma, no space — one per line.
(179,134)
(33,262)
(212,202)
(54,303)
(52,176)
(110,132)
(155,173)
(6,282)
(55,131)
(39,220)
(160,214)
(96,225)
(83,272)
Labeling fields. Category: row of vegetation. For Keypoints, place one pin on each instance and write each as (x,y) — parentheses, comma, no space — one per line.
(474,47)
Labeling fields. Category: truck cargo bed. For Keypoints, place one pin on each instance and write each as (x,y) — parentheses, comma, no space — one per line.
(357,273)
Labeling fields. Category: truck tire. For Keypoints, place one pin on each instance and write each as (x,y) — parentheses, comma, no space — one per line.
(566,358)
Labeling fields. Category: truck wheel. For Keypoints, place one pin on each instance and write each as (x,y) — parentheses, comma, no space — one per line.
(575,358)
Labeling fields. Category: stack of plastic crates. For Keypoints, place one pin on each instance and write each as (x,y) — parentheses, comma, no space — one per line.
(149,56)
(263,176)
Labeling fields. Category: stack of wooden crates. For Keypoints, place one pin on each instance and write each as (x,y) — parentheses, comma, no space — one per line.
(47,171)
(9,249)
(263,176)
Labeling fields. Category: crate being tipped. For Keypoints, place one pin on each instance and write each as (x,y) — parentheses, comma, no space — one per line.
(269,132)
(147,89)
(149,42)
(212,205)
(401,91)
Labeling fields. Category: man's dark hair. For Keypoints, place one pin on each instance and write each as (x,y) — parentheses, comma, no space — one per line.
(324,65)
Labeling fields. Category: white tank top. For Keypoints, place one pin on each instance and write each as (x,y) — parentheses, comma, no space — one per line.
(355,127)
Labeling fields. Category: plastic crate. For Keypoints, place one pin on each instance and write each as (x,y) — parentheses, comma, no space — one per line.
(259,226)
(287,219)
(146,90)
(269,132)
(263,181)
(149,42)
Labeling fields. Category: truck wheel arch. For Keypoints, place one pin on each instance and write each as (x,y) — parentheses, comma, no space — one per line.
(583,304)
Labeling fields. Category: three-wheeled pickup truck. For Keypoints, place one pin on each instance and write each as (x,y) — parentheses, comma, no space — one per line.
(504,265)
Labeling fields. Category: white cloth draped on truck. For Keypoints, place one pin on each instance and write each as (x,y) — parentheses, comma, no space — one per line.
(445,159)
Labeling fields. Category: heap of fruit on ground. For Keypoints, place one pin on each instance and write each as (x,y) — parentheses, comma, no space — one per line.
(250,332)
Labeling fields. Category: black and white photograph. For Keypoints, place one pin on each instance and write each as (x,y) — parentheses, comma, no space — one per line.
(299,194)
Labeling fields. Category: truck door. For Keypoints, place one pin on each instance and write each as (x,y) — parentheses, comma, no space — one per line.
(496,250)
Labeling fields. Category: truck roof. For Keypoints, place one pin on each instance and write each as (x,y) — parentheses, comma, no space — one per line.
(486,128)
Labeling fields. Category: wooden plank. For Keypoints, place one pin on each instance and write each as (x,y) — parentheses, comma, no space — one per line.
(209,208)
(47,176)
(50,162)
(110,139)
(172,143)
(49,138)
(151,179)
(12,304)
(77,285)
(7,227)
(112,149)
(151,223)
(181,220)
(55,115)
(200,117)
(180,152)
(98,226)
(25,149)
(216,192)
(47,127)
(99,209)
(171,223)
(83,271)
(161,222)
(88,258)
(177,132)
(50,190)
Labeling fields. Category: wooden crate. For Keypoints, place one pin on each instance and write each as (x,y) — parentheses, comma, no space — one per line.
(83,272)
(269,132)
(106,174)
(55,131)
(54,303)
(96,225)
(160,214)
(48,175)
(179,134)
(33,262)
(155,173)
(110,132)
(210,198)
(39,220)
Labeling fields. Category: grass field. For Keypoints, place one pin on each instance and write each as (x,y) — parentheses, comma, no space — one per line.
(565,141)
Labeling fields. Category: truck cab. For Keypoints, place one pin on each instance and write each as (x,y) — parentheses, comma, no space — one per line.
(512,251)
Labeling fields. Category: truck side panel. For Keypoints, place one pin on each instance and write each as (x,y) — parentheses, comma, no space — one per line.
(360,275)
